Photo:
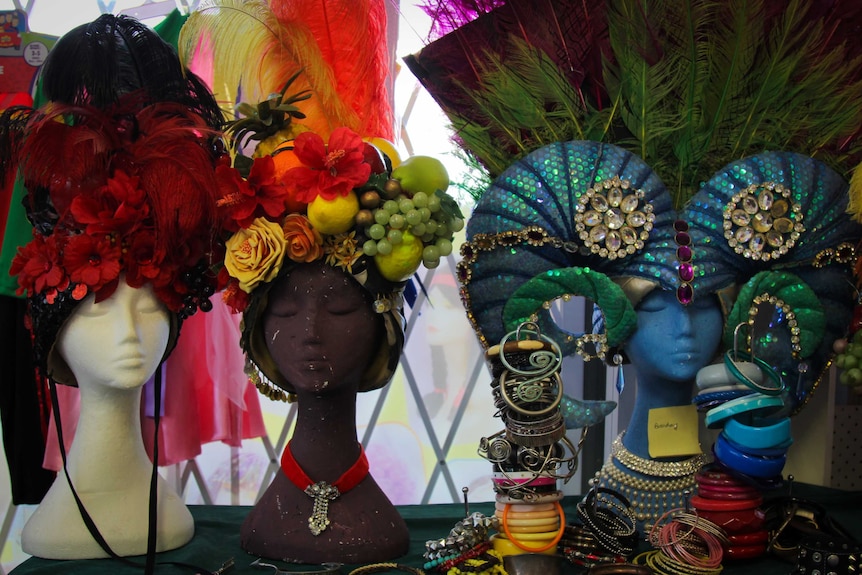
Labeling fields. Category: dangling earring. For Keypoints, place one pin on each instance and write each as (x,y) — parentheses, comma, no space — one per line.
(621,381)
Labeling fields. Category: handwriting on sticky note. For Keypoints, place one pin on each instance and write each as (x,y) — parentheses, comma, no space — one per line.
(673,431)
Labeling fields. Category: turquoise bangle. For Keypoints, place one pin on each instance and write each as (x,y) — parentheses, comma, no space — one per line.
(730,362)
(745,404)
(758,437)
(750,465)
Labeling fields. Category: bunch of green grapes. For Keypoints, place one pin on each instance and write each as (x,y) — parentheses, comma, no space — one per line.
(398,217)
(848,359)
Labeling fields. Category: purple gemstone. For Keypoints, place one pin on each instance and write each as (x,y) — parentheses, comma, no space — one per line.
(680,226)
(685,294)
(683,239)
(686,272)
(683,253)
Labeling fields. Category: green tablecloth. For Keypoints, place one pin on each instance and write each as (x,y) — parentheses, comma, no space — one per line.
(217,539)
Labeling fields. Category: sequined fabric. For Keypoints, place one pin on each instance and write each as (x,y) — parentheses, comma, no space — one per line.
(568,205)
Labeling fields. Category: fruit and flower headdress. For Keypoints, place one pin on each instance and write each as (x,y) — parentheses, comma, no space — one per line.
(340,200)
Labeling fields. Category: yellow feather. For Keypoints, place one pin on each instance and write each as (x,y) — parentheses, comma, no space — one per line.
(253,54)
(854,204)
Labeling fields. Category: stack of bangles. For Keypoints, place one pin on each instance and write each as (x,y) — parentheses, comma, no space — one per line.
(609,517)
(581,548)
(739,375)
(528,528)
(758,451)
(735,506)
(716,384)
(685,544)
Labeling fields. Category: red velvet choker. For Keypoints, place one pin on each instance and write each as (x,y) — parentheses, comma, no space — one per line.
(321,491)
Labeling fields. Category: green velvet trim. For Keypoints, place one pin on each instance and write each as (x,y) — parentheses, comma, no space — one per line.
(531,297)
(789,288)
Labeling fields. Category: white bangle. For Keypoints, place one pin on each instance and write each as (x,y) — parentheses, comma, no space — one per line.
(717,374)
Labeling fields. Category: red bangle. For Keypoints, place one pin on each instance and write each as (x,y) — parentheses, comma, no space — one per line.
(704,504)
(717,478)
(737,552)
(727,493)
(748,538)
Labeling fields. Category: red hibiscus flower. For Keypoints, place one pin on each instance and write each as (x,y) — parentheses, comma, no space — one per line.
(329,170)
(37,266)
(236,198)
(270,193)
(243,200)
(94,262)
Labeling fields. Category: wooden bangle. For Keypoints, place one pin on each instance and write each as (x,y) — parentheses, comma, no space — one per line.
(551,544)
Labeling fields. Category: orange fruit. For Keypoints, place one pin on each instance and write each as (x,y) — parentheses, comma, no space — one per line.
(285,160)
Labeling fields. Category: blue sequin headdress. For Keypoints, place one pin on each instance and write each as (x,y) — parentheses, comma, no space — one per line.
(699,147)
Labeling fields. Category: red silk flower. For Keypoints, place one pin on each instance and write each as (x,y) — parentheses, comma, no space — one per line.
(243,200)
(37,266)
(329,170)
(94,262)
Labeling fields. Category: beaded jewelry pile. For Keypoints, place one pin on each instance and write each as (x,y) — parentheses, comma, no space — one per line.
(466,549)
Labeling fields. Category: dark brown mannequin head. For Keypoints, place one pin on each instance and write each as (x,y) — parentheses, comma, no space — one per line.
(320,329)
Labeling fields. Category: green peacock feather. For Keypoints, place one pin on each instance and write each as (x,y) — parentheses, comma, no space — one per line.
(686,85)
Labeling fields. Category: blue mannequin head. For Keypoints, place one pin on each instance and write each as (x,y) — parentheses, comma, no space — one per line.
(672,341)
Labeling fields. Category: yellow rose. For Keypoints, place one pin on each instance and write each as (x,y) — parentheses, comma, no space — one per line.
(304,243)
(254,254)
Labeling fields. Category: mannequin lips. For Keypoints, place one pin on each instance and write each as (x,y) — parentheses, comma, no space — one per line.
(130,363)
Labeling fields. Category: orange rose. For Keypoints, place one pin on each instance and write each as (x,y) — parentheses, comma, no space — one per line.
(304,243)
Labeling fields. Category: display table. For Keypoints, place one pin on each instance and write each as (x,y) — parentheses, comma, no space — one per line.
(217,539)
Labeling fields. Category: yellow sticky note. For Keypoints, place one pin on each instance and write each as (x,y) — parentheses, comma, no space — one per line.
(673,431)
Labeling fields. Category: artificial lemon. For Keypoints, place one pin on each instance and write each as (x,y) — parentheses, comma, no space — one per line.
(403,260)
(422,174)
(387,148)
(334,216)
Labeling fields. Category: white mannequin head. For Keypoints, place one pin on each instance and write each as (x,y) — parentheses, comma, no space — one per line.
(117,342)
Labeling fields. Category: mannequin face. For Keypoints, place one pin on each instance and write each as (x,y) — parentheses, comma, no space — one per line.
(672,342)
(320,329)
(117,342)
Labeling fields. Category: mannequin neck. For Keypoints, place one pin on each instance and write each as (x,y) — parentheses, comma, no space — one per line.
(109,432)
(324,441)
(652,393)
